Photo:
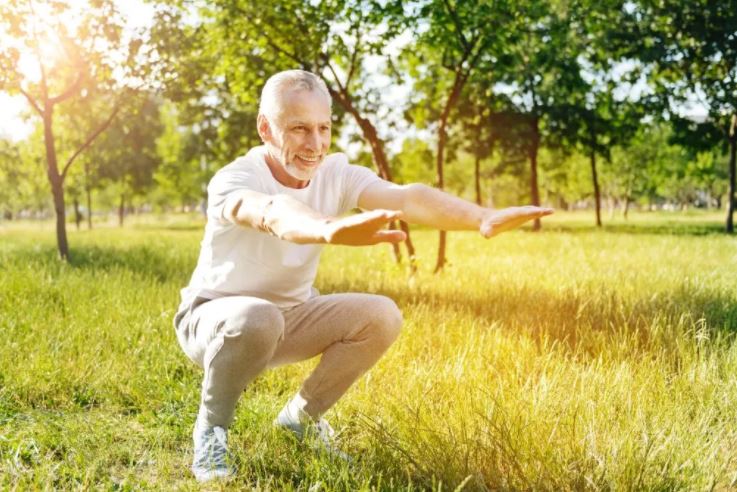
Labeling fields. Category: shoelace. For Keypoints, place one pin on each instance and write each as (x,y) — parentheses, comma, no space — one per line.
(220,452)
(325,432)
(214,449)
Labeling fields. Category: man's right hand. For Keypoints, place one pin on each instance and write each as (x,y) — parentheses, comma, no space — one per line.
(364,229)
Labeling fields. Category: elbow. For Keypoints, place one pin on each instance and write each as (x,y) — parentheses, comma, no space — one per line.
(415,193)
(231,207)
(235,210)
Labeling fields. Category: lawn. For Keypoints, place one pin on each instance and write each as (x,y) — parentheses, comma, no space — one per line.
(569,359)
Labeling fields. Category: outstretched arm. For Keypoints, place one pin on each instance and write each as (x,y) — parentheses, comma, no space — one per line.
(288,219)
(421,204)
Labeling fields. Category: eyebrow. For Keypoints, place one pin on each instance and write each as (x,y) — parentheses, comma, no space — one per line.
(307,123)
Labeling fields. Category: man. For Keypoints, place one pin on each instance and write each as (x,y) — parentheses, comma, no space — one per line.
(250,303)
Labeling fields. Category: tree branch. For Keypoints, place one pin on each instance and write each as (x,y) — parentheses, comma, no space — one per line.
(354,55)
(335,75)
(457,24)
(69,92)
(271,43)
(92,136)
(286,53)
(41,66)
(32,101)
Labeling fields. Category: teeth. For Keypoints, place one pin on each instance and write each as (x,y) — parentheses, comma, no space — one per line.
(309,159)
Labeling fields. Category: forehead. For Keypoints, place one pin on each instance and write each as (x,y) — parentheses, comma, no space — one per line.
(304,106)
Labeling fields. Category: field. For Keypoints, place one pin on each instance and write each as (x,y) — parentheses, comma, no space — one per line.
(570,359)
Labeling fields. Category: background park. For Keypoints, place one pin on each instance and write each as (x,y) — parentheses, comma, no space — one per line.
(594,351)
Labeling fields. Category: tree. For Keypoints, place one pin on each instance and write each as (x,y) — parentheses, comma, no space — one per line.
(544,76)
(459,37)
(475,111)
(126,155)
(76,53)
(20,186)
(689,50)
(181,175)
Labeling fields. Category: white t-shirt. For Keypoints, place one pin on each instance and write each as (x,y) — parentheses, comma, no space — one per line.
(238,260)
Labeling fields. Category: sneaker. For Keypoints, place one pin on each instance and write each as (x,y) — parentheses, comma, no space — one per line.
(210,453)
(319,434)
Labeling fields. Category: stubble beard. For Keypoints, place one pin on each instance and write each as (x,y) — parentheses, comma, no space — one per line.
(298,173)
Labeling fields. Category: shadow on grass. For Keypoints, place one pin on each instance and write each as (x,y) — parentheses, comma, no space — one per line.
(568,317)
(148,262)
(141,260)
(585,321)
(169,227)
(669,228)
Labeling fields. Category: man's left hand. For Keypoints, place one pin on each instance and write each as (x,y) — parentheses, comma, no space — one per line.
(497,221)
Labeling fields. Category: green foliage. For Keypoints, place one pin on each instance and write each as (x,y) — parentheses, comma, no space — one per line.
(565,178)
(414,164)
(23,187)
(127,152)
(181,176)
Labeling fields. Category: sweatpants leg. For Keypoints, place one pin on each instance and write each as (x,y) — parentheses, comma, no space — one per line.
(351,331)
(232,339)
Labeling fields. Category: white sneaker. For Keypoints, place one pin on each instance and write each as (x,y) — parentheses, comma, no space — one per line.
(320,434)
(210,453)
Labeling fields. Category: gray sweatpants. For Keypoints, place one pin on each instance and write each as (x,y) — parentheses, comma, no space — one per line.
(235,338)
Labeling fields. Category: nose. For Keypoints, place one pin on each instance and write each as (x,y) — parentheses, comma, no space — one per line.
(313,140)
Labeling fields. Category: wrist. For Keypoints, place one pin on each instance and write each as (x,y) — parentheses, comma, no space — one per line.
(486,224)
(326,228)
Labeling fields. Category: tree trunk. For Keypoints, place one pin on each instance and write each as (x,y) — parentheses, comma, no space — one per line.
(534,189)
(368,130)
(597,193)
(56,183)
(477,178)
(77,213)
(121,209)
(626,206)
(458,83)
(441,261)
(732,165)
(89,208)
(57,189)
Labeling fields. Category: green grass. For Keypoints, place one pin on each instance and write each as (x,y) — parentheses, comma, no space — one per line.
(569,359)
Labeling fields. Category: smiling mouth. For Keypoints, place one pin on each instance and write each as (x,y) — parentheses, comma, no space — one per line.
(309,159)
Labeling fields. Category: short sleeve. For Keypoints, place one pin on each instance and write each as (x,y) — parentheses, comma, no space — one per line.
(225,182)
(355,180)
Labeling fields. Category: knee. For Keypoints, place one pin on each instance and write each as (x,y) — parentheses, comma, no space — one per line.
(256,326)
(386,319)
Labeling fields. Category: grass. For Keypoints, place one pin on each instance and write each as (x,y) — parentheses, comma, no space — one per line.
(572,359)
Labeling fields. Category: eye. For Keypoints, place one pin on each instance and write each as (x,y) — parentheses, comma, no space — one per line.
(325,128)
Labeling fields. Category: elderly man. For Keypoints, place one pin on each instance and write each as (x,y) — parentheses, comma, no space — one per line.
(250,304)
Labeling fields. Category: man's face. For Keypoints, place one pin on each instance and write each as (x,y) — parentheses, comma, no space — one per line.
(300,139)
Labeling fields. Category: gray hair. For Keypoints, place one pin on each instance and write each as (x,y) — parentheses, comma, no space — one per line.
(280,83)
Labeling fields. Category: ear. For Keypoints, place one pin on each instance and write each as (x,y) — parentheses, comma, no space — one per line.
(264,128)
